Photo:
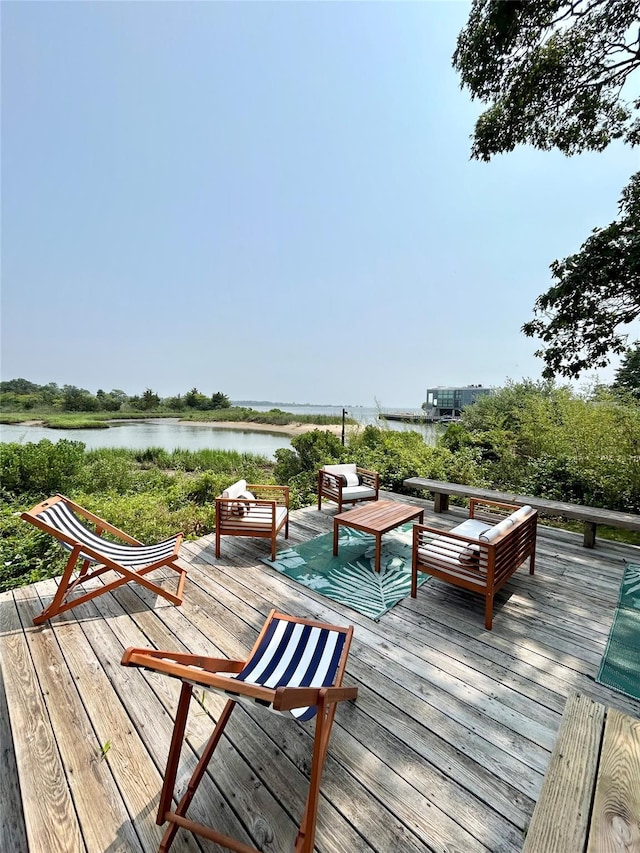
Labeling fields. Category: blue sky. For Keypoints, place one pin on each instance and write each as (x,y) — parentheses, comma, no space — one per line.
(273,200)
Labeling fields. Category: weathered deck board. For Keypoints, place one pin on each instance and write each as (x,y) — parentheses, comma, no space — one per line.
(616,806)
(445,748)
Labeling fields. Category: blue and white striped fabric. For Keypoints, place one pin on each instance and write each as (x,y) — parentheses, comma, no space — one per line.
(294,655)
(133,557)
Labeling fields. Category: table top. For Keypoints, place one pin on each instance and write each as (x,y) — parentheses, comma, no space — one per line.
(378,516)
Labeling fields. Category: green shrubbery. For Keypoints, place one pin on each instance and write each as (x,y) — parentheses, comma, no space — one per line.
(151,494)
(529,438)
(394,455)
(538,439)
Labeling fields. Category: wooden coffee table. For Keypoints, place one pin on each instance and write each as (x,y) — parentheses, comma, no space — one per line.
(376,518)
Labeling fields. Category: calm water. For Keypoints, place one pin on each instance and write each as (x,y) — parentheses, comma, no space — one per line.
(171,435)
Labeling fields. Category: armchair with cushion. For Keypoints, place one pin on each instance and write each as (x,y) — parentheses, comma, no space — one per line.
(346,483)
(256,510)
(479,554)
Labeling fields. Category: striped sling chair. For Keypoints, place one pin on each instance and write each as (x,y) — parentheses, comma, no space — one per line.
(295,668)
(132,561)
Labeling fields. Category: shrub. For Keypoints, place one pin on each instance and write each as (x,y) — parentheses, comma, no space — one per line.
(41,468)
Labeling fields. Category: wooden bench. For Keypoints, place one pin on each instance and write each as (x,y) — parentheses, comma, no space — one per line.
(590,797)
(590,516)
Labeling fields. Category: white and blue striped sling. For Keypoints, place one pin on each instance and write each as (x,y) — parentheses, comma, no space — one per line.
(135,557)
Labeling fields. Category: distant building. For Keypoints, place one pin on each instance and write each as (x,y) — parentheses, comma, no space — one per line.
(448,403)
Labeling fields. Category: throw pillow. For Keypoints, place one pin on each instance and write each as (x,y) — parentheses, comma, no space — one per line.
(241,506)
(351,479)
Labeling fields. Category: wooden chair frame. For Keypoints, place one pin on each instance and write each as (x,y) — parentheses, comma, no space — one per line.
(261,521)
(501,557)
(330,487)
(87,555)
(203,671)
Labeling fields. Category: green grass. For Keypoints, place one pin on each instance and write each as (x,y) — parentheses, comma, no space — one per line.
(99,420)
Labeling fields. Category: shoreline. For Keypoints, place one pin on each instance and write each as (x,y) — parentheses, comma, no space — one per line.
(280,429)
(292,429)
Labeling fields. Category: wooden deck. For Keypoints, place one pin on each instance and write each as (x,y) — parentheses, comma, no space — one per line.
(445,748)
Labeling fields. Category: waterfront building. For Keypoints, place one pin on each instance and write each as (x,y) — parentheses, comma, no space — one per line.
(446,403)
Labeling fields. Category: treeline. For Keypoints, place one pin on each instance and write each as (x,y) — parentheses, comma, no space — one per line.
(20,395)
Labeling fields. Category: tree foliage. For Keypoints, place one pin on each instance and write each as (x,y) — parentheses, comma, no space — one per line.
(557,74)
(553,72)
(627,377)
(597,291)
(20,394)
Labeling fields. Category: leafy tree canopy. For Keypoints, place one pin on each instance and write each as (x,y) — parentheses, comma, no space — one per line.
(596,291)
(552,71)
(556,74)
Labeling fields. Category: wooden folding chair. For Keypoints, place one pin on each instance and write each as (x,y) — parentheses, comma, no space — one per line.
(295,668)
(132,561)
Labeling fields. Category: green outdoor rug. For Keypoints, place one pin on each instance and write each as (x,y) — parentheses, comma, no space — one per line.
(350,577)
(620,667)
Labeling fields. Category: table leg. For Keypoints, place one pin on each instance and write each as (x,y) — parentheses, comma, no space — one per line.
(335,538)
(378,550)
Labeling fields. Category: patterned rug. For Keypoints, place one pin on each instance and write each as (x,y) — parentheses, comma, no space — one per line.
(350,577)
(620,667)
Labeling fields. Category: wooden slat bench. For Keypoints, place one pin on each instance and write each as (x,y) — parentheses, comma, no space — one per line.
(590,516)
(590,797)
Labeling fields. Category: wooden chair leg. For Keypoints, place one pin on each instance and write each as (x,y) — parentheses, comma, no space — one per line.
(63,589)
(488,611)
(174,752)
(306,834)
(192,787)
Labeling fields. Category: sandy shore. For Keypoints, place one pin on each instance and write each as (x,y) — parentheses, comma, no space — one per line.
(285,429)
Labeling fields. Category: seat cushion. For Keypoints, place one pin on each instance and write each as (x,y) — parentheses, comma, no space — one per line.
(259,517)
(471,528)
(351,493)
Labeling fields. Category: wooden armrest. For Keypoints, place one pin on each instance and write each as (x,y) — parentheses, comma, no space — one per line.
(148,658)
(331,476)
(370,477)
(288,698)
(473,502)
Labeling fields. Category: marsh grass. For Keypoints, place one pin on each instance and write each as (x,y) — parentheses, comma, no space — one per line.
(151,494)
(274,416)
(100,420)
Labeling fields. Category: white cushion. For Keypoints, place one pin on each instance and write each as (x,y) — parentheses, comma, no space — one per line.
(357,492)
(497,530)
(260,517)
(520,513)
(341,469)
(235,490)
(241,505)
(471,528)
